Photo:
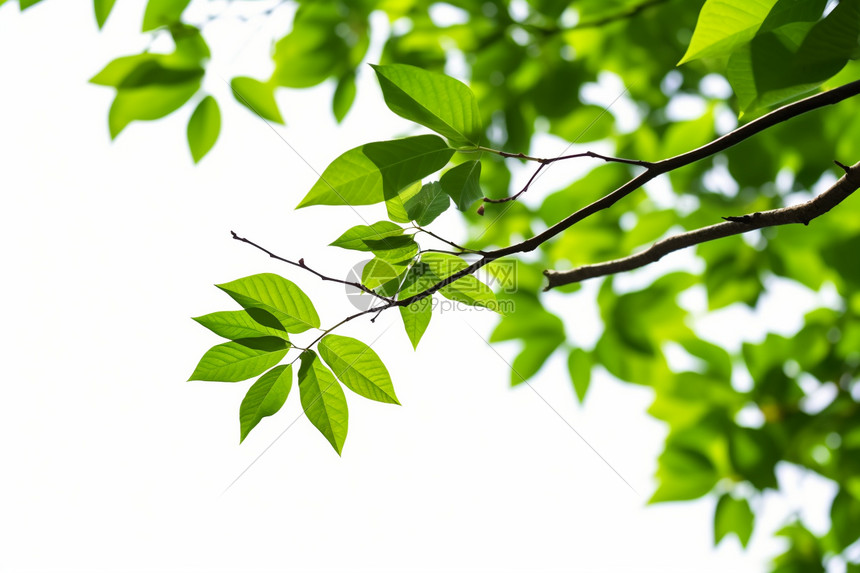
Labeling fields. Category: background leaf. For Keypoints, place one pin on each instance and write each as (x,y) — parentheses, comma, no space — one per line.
(102,10)
(257,96)
(162,13)
(733,516)
(203,128)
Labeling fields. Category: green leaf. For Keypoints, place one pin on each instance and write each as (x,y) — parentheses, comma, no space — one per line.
(240,359)
(344,96)
(257,96)
(845,519)
(163,13)
(24,4)
(468,289)
(434,100)
(102,9)
(203,128)
(377,171)
(684,473)
(356,238)
(416,315)
(323,400)
(358,367)
(314,49)
(250,323)
(724,25)
(385,239)
(535,352)
(579,365)
(118,69)
(148,103)
(276,295)
(462,183)
(383,276)
(396,206)
(733,516)
(427,204)
(264,398)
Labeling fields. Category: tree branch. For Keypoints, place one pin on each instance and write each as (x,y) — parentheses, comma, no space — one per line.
(802,213)
(653,170)
(732,138)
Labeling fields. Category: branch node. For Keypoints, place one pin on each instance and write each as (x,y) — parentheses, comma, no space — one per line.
(842,166)
(745,219)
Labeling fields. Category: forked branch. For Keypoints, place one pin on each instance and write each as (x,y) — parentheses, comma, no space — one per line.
(802,213)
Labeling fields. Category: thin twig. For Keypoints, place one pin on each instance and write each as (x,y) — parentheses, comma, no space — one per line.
(301,264)
(544,161)
(446,241)
(802,214)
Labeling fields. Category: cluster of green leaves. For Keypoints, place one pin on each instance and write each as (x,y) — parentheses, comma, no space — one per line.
(776,49)
(275,308)
(533,69)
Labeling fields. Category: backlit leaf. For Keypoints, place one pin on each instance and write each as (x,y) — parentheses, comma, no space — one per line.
(434,100)
(203,128)
(276,295)
(264,398)
(358,367)
(257,96)
(240,359)
(323,400)
(250,323)
(733,516)
(377,171)
(102,9)
(162,13)
(416,315)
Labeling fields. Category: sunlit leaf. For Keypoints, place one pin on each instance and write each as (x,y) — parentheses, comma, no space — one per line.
(535,352)
(102,10)
(733,516)
(264,398)
(358,367)
(276,295)
(434,100)
(416,315)
(240,359)
(148,103)
(724,25)
(344,96)
(250,323)
(162,13)
(377,171)
(257,96)
(203,128)
(323,400)
(579,363)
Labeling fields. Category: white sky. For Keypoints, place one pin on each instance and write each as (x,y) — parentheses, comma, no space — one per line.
(111,461)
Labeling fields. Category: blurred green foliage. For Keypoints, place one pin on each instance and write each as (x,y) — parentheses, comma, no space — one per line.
(605,72)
